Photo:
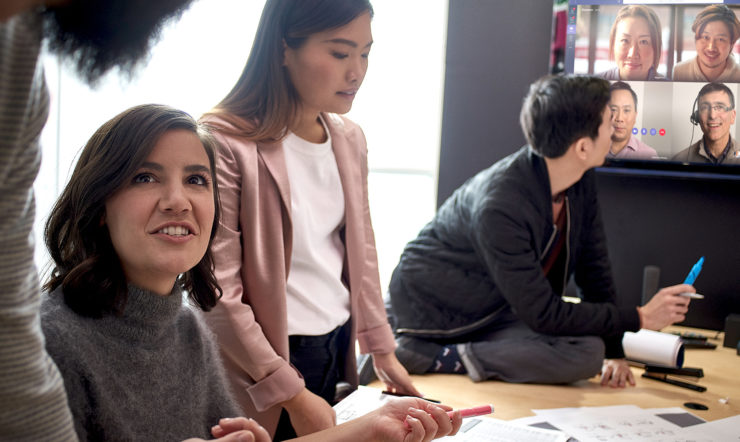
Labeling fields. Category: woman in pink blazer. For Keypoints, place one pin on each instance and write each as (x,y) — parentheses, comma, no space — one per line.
(295,252)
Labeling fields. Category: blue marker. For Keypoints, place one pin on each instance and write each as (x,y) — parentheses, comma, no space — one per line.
(694,273)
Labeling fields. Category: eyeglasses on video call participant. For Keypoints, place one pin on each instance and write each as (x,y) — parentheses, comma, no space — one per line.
(714,112)
(130,233)
(479,291)
(635,45)
(716,29)
(623,104)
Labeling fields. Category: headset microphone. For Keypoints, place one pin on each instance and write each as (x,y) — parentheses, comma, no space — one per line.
(694,118)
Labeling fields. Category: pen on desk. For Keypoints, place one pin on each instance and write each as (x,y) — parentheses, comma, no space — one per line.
(691,295)
(390,393)
(694,273)
(667,380)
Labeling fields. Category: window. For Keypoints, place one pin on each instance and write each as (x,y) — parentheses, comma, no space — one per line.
(200,57)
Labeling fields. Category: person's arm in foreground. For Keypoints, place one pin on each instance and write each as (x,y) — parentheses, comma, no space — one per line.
(33,404)
(424,421)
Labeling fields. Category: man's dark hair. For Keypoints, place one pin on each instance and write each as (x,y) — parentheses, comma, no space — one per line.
(622,86)
(98,35)
(716,87)
(717,13)
(558,110)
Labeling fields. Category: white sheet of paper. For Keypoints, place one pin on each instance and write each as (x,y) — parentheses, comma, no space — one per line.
(359,402)
(622,422)
(488,429)
(726,430)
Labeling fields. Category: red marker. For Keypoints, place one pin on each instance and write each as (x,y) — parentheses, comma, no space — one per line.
(475,411)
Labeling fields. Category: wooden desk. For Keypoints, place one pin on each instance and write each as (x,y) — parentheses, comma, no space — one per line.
(721,377)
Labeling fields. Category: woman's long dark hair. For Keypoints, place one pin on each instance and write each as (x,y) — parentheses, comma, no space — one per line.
(85,263)
(263,104)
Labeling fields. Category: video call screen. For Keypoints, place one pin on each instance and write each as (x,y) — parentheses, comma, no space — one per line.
(666,51)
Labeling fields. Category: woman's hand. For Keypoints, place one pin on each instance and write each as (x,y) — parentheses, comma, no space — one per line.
(413,420)
(393,374)
(239,429)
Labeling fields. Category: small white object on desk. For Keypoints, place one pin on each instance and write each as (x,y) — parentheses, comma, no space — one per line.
(651,347)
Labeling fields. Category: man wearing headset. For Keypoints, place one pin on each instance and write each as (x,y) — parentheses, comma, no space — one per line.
(714,111)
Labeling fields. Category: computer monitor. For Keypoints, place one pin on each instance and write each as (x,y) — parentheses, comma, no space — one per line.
(664,54)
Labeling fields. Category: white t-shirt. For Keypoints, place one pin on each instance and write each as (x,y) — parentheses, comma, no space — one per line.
(317,299)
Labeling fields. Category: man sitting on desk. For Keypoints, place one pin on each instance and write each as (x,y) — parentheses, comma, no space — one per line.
(714,111)
(479,290)
(623,104)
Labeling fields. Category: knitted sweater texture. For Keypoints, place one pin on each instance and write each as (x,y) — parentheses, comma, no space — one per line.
(152,374)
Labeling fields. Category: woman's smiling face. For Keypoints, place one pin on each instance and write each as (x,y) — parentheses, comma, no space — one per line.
(633,48)
(160,221)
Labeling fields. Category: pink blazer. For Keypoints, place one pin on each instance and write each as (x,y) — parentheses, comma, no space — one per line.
(252,253)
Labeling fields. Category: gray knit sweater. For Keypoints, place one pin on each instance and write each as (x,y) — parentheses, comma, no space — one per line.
(151,375)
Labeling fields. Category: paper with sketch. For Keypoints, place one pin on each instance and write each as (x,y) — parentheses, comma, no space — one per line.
(727,429)
(483,429)
(629,422)
(621,422)
(488,429)
(677,416)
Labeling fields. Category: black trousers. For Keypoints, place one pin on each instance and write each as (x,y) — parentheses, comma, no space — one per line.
(321,360)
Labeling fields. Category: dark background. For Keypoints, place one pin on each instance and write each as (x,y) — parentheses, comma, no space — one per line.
(495,50)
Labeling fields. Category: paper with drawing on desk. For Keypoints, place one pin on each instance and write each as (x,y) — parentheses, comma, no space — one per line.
(727,429)
(629,422)
(483,429)
(489,429)
(620,422)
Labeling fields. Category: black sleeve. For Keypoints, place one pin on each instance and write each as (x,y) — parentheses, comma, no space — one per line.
(505,240)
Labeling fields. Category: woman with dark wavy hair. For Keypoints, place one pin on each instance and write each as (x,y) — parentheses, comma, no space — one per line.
(130,234)
(295,253)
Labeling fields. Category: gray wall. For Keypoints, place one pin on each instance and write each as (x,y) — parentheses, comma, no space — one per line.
(495,49)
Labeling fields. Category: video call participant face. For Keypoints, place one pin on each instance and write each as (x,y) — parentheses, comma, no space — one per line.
(622,106)
(716,115)
(713,45)
(633,48)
